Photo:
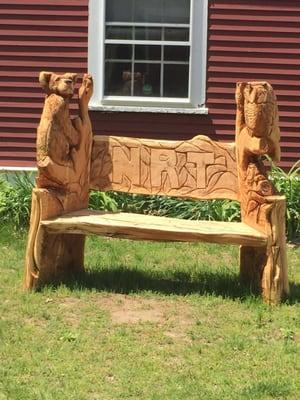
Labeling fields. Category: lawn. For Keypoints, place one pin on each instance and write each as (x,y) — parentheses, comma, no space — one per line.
(148,321)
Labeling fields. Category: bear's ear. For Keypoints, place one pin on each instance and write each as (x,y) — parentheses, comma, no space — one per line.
(44,79)
(73,77)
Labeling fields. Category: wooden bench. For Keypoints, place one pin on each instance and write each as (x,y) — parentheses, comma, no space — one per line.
(71,162)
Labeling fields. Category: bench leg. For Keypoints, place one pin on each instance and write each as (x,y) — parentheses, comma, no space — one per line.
(266,268)
(49,257)
(251,265)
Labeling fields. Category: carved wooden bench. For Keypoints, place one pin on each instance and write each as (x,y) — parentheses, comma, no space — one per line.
(71,162)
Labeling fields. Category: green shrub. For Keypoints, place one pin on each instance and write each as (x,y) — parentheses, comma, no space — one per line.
(102,201)
(15,198)
(217,210)
(288,183)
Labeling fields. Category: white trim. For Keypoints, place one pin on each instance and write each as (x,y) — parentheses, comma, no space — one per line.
(151,100)
(147,109)
(199,12)
(147,42)
(198,57)
(16,169)
(147,24)
(96,46)
(127,60)
(136,101)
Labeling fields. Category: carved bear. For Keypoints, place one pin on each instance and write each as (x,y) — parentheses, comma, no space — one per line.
(59,138)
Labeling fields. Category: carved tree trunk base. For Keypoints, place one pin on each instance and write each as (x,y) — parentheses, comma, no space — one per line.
(49,257)
(275,273)
(266,269)
(252,260)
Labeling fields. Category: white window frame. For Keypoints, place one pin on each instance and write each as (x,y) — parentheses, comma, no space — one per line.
(193,104)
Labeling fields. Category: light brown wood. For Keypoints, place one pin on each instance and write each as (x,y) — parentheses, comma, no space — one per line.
(70,162)
(63,160)
(257,134)
(198,168)
(149,227)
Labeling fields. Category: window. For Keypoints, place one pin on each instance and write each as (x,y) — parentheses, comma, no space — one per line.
(148,55)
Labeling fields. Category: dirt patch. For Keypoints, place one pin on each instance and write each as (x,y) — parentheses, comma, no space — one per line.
(69,307)
(176,317)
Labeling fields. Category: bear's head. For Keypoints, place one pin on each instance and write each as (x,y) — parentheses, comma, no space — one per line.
(62,85)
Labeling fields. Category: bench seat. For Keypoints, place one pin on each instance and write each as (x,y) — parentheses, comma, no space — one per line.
(149,227)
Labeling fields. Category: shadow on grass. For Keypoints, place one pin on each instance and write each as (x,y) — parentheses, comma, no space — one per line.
(127,281)
(123,280)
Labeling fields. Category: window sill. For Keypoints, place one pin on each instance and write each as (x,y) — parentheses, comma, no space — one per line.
(148,109)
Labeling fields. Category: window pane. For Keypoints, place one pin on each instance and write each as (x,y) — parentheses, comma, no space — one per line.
(118,32)
(178,34)
(148,11)
(147,33)
(119,10)
(176,11)
(144,52)
(176,53)
(170,11)
(117,79)
(118,51)
(176,80)
(147,80)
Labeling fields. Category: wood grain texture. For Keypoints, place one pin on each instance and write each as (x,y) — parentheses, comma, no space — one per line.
(63,159)
(198,168)
(70,162)
(257,134)
(148,227)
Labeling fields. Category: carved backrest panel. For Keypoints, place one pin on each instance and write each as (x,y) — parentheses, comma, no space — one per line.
(198,168)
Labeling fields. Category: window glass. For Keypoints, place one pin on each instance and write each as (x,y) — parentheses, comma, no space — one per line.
(176,53)
(119,11)
(147,80)
(150,53)
(178,34)
(118,51)
(157,11)
(137,66)
(119,32)
(118,79)
(147,33)
(176,78)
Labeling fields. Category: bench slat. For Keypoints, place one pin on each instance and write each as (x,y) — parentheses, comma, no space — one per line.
(148,227)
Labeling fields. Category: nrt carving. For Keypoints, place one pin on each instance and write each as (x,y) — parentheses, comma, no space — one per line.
(197,168)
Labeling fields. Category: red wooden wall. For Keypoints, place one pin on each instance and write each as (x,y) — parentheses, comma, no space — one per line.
(246,41)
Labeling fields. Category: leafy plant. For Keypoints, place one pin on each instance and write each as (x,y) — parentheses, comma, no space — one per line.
(218,210)
(102,201)
(288,183)
(15,198)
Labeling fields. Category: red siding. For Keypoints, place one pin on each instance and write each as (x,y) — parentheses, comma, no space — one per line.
(246,41)
(257,40)
(35,35)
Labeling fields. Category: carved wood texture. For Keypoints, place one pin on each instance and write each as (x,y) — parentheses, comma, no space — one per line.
(62,184)
(257,134)
(70,162)
(197,168)
(149,227)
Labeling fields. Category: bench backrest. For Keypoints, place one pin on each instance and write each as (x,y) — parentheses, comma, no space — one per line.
(198,168)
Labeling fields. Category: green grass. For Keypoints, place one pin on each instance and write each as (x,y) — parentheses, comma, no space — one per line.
(149,321)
